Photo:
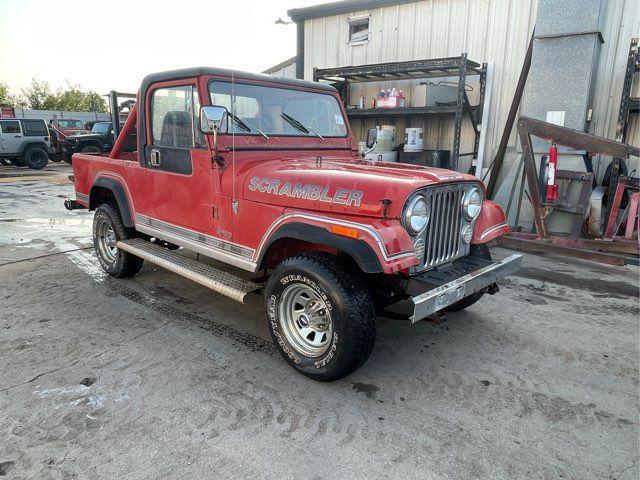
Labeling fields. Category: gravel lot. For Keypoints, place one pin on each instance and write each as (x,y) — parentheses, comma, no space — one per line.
(157,377)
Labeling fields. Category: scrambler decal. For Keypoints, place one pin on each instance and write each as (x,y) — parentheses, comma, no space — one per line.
(308,191)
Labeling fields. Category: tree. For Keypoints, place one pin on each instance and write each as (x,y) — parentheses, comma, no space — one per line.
(4,95)
(74,99)
(38,96)
(6,99)
(95,102)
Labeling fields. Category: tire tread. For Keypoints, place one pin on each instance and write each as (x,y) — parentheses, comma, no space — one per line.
(357,304)
(130,263)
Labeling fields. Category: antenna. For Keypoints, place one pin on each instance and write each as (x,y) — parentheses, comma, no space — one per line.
(233,145)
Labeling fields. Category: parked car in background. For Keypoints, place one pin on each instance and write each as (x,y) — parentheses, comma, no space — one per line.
(25,142)
(99,140)
(70,126)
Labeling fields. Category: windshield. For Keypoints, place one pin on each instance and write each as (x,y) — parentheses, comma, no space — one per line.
(100,127)
(278,111)
(70,123)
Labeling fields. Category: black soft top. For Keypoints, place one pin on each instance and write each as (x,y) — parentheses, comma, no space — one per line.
(197,71)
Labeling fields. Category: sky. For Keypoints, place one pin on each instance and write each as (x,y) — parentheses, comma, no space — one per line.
(112,45)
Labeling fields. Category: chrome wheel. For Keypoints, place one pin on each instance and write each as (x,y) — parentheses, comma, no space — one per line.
(106,241)
(305,320)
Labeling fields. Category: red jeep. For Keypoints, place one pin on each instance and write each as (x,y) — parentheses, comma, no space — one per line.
(69,126)
(262,174)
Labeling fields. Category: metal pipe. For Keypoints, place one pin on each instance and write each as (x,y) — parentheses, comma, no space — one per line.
(496,165)
(300,49)
(126,131)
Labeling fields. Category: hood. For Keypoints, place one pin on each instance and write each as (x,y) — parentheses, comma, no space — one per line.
(85,136)
(354,187)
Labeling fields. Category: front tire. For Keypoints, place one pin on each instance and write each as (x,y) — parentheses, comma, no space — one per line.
(108,229)
(91,150)
(36,158)
(321,316)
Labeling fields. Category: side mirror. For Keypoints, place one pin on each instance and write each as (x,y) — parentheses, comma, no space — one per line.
(213,120)
(372,136)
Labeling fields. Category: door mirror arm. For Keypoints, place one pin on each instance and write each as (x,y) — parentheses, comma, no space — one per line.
(213,121)
(216,156)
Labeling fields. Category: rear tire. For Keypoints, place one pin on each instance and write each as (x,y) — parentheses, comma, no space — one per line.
(108,229)
(482,251)
(36,158)
(321,317)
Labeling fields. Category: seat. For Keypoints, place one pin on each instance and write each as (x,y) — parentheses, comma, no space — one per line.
(176,130)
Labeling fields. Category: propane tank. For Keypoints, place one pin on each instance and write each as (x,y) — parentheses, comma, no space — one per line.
(552,186)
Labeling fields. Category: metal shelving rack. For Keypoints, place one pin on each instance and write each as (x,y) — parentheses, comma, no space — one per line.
(416,69)
(628,104)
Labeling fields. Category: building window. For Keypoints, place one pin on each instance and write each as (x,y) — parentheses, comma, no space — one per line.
(358,30)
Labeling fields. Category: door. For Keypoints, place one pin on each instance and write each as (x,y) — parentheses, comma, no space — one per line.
(10,136)
(178,161)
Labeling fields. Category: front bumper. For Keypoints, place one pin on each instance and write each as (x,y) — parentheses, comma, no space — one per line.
(449,293)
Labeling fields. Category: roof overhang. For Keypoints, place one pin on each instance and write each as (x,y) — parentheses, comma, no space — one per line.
(338,8)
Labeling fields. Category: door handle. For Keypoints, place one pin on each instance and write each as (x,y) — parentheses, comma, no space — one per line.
(156,158)
(17,136)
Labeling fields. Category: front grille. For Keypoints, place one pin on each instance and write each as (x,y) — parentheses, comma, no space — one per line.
(443,243)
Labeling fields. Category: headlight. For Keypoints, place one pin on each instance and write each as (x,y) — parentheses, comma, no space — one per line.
(472,203)
(416,215)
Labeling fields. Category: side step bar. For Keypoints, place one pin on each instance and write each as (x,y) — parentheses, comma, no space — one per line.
(216,279)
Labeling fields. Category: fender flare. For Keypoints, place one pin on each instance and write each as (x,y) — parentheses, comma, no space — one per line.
(35,143)
(92,142)
(118,192)
(358,249)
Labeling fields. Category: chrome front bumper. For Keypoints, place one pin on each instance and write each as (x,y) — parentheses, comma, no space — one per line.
(441,297)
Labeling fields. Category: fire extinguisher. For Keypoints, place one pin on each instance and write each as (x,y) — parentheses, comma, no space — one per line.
(552,186)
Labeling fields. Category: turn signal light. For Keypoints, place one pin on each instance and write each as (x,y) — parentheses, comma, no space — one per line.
(345,231)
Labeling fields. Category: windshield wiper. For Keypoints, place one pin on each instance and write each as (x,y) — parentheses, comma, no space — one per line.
(266,137)
(299,126)
(240,123)
(246,127)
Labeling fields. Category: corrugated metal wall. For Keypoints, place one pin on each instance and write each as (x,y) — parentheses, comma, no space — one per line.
(288,71)
(495,31)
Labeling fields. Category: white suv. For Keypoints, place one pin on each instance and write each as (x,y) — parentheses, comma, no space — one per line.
(25,142)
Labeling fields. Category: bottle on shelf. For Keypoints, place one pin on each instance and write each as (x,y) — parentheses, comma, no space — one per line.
(361,102)
(402,100)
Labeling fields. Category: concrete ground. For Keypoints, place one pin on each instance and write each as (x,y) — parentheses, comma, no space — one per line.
(156,377)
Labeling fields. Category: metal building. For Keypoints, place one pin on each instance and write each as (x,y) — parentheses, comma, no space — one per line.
(356,32)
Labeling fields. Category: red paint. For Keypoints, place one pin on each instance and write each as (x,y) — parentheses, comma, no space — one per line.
(127,128)
(203,201)
(552,185)
(491,223)
(632,220)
